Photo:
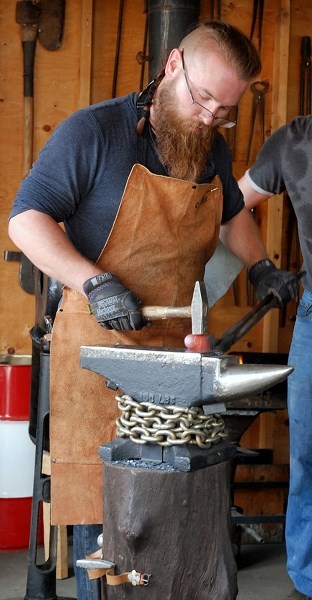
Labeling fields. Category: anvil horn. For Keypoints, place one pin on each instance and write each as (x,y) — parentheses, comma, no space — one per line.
(243,380)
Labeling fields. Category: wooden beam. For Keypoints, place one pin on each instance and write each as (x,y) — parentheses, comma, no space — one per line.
(279,118)
(84,92)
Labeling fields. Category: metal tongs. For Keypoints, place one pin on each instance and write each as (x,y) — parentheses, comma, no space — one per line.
(305,76)
(236,332)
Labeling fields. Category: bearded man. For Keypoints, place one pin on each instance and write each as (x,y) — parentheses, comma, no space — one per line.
(142,185)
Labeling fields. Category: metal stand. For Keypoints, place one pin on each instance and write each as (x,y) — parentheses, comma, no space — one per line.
(41,578)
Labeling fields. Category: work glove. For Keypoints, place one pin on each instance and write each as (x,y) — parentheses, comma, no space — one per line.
(113,305)
(267,279)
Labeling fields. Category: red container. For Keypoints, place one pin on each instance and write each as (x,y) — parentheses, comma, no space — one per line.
(17,454)
(15,381)
(15,523)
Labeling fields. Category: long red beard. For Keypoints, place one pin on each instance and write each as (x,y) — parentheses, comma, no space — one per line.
(184,152)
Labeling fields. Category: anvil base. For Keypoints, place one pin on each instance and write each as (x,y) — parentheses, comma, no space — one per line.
(185,457)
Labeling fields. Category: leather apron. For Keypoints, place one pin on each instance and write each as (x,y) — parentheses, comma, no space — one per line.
(164,233)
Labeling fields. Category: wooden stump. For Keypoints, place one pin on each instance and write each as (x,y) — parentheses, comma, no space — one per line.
(173,525)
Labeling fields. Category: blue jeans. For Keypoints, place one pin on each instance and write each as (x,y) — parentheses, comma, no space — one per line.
(299,509)
(85,542)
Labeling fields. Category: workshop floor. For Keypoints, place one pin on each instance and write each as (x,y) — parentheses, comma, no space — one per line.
(261,576)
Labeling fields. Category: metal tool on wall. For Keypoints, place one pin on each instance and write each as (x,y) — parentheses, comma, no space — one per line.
(117,50)
(43,20)
(142,56)
(305,76)
(258,89)
(257,15)
(215,10)
(27,16)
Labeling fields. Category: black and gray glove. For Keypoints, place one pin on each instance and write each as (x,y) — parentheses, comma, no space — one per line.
(267,279)
(113,305)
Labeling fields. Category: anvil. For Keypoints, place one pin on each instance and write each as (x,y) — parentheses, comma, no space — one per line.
(177,377)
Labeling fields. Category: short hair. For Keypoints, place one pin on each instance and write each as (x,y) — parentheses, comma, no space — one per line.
(236,48)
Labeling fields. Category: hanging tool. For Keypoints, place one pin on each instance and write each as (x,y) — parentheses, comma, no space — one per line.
(141,56)
(51,23)
(259,89)
(44,21)
(27,16)
(117,50)
(305,76)
(258,8)
(215,10)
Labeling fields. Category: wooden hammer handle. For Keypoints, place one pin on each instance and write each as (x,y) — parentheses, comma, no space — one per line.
(165,312)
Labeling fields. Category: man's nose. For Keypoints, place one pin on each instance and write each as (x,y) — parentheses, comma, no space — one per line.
(207,118)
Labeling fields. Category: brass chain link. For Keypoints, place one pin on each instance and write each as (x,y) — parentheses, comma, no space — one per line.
(168,425)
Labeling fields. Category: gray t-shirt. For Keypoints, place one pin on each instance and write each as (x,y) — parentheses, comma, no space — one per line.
(284,164)
(82,170)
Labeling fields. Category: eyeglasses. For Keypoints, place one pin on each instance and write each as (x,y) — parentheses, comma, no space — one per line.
(218,120)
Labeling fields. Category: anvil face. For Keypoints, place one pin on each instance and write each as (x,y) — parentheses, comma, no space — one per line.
(177,377)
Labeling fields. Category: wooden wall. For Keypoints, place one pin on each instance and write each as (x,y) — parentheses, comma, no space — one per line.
(81,72)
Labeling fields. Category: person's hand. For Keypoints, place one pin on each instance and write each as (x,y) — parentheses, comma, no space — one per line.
(267,279)
(113,305)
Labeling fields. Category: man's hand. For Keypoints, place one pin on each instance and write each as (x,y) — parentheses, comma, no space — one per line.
(267,279)
(113,305)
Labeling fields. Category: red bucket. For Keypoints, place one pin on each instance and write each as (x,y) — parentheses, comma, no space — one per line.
(15,381)
(17,453)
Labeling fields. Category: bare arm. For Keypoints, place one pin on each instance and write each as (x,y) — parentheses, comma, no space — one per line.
(251,196)
(241,236)
(43,241)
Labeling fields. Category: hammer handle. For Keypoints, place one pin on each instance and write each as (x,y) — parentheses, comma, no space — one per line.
(165,312)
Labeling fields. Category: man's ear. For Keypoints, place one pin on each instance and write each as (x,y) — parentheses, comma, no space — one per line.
(174,63)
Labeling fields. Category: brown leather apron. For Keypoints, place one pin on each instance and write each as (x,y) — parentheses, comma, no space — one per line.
(165,231)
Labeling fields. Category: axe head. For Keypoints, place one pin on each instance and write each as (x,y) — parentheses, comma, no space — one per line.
(51,23)
(27,13)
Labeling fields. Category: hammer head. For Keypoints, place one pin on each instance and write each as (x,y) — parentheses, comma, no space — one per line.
(199,309)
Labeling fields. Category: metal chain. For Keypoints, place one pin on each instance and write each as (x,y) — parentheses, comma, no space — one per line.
(167,425)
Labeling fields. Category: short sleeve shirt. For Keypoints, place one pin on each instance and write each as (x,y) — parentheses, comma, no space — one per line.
(81,172)
(284,165)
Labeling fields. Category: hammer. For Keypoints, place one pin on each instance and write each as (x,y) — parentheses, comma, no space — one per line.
(198,340)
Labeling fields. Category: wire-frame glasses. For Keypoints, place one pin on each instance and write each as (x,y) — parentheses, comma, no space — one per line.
(221,121)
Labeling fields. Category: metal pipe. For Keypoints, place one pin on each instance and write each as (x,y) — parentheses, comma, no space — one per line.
(168,23)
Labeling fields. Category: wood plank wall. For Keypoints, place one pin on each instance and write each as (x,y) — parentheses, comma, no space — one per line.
(80,72)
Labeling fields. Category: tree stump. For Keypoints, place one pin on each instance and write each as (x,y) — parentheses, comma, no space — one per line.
(172,525)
